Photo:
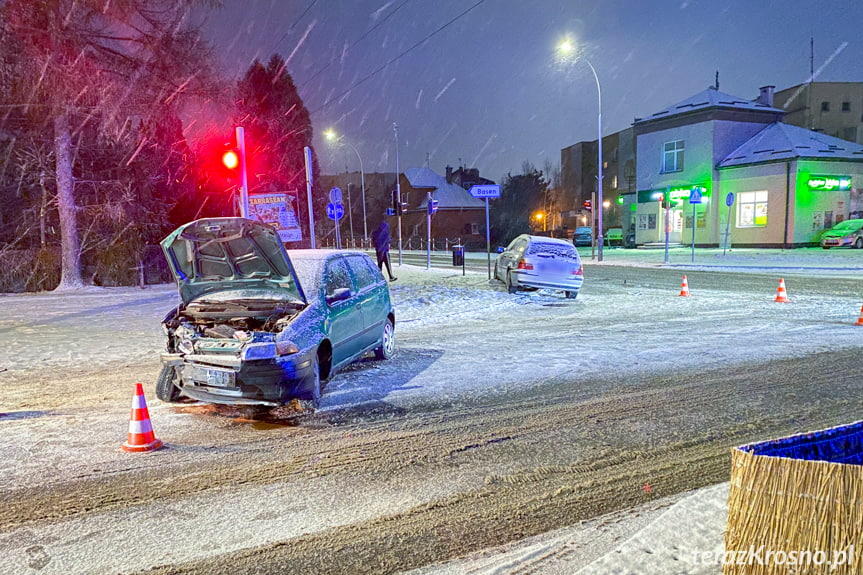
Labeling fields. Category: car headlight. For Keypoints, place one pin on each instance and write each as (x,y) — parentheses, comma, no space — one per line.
(286,347)
(255,351)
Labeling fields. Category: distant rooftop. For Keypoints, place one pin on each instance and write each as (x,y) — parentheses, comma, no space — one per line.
(778,141)
(447,195)
(710,98)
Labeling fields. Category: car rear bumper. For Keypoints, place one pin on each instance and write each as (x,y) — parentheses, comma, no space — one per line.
(533,281)
(265,382)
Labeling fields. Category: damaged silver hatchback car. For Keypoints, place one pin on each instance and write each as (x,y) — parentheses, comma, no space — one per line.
(256,326)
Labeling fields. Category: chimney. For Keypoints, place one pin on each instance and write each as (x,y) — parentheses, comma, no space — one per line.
(766,95)
(449,174)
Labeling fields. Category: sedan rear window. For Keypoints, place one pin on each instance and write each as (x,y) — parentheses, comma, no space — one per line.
(560,250)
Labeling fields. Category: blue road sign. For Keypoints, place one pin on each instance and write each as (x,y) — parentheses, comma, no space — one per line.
(335,211)
(729,199)
(336,195)
(695,195)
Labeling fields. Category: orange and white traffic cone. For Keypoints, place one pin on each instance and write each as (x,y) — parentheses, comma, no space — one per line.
(684,288)
(781,295)
(141,436)
(860,319)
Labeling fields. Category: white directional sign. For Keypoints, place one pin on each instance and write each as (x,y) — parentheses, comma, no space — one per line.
(486,191)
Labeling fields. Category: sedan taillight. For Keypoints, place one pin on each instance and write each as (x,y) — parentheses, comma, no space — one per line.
(523,265)
(577,272)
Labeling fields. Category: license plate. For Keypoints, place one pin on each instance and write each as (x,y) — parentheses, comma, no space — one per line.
(215,377)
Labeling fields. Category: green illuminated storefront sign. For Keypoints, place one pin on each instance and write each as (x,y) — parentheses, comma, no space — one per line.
(677,194)
(829,183)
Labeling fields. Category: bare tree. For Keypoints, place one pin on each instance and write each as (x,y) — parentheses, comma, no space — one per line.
(97,65)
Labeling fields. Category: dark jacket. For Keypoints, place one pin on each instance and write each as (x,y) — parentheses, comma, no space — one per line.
(381,238)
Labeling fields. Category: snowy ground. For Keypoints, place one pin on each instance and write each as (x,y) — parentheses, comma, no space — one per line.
(461,336)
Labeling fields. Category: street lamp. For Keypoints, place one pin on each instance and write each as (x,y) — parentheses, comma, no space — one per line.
(331,136)
(567,47)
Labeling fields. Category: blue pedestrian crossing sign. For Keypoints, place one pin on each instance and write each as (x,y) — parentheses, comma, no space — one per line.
(695,195)
(335,211)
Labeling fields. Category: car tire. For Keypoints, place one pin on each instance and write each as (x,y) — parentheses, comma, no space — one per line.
(509,287)
(388,342)
(571,294)
(166,389)
(825,247)
(858,243)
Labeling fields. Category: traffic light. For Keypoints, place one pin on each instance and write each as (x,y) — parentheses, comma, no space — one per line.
(587,205)
(433,206)
(398,209)
(231,159)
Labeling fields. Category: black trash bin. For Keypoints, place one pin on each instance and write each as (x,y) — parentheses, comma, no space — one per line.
(458,255)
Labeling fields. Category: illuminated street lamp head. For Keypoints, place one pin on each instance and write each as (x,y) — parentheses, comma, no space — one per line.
(539,215)
(567,46)
(231,159)
(330,135)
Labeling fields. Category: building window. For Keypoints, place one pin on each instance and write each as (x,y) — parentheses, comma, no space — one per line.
(846,106)
(474,229)
(672,156)
(752,210)
(825,106)
(614,182)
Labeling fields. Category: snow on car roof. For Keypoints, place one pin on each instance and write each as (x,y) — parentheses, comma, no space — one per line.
(547,240)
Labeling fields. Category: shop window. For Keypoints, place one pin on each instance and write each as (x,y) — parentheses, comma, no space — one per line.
(672,156)
(752,209)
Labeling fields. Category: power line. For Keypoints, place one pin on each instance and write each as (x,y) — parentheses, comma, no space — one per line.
(297,21)
(400,56)
(360,39)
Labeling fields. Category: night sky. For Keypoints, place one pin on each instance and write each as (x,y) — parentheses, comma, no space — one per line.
(489,90)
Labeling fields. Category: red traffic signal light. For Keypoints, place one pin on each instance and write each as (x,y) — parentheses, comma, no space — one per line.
(231,159)
(587,205)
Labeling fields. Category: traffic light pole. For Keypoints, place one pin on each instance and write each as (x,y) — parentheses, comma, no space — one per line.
(428,229)
(244,182)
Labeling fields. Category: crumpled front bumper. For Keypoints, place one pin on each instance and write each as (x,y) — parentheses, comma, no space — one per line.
(269,382)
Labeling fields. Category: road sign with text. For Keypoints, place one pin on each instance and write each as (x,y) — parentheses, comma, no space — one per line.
(485,191)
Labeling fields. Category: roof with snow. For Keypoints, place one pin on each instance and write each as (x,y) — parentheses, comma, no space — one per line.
(710,98)
(778,141)
(449,196)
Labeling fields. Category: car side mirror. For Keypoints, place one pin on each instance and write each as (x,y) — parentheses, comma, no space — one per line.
(500,250)
(339,294)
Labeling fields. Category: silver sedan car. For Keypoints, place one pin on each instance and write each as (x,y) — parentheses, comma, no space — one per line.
(537,262)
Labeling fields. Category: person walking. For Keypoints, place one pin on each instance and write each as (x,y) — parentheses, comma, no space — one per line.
(381,241)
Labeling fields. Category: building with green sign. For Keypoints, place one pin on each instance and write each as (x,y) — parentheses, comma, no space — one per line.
(787,183)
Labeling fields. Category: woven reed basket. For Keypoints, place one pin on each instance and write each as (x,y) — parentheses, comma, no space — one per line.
(800,494)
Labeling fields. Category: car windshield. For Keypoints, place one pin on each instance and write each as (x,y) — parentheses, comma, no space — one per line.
(584,230)
(847,226)
(555,249)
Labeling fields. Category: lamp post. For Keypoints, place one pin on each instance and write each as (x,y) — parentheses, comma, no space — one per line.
(398,190)
(567,47)
(331,136)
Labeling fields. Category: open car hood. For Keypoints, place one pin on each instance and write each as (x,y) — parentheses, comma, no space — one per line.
(226,254)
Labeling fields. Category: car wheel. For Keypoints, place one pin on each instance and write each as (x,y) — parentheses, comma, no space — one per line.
(571,294)
(509,286)
(388,342)
(858,243)
(166,389)
(825,247)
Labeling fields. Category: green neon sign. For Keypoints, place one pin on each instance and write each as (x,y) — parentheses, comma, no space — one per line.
(829,183)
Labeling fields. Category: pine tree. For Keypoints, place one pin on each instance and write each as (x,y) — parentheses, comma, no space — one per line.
(278,128)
